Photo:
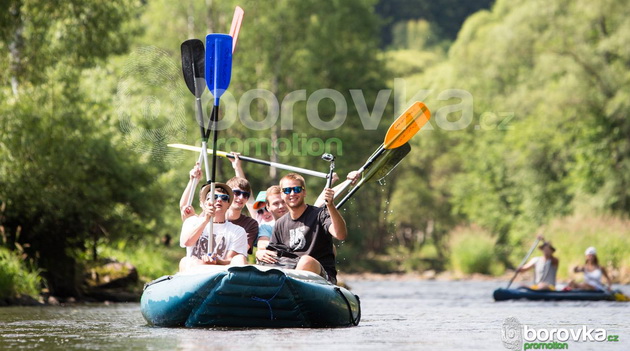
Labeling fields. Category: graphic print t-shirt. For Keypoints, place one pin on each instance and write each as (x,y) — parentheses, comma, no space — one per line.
(227,236)
(307,235)
(251,227)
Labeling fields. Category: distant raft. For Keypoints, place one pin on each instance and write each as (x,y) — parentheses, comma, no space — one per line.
(248,296)
(578,295)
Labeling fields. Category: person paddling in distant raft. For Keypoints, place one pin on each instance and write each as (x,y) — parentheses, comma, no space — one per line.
(593,274)
(307,231)
(229,240)
(545,267)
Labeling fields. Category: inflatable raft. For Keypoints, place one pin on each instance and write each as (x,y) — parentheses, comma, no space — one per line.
(248,296)
(530,294)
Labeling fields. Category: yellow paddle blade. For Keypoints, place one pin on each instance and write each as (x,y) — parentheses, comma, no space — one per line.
(621,297)
(407,125)
(196,148)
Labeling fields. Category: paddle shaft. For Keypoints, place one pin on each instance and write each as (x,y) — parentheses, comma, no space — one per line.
(367,164)
(281,166)
(531,249)
(235,28)
(211,224)
(350,193)
(258,161)
(199,111)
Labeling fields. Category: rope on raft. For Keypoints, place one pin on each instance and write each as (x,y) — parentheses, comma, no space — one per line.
(267,301)
(353,321)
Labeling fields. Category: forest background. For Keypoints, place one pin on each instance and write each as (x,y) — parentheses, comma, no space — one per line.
(529,131)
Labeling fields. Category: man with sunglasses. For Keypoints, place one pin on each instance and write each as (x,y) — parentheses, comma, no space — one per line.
(308,230)
(229,240)
(242,191)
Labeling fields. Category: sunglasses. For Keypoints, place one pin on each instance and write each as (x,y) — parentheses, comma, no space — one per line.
(242,193)
(223,197)
(262,210)
(296,189)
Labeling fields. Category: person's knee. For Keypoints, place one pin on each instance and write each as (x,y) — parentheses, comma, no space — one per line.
(309,263)
(239,260)
(187,262)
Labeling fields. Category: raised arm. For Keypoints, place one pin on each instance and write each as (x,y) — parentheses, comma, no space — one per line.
(185,209)
(608,280)
(338,225)
(193,227)
(529,265)
(351,178)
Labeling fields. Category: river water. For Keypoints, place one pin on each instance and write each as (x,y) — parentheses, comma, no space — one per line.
(397,315)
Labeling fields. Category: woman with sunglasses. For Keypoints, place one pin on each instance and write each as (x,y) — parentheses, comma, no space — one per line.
(229,240)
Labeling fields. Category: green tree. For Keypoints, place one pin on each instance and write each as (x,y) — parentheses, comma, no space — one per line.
(285,48)
(445,17)
(548,84)
(66,178)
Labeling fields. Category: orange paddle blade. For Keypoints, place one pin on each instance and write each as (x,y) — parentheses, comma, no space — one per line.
(407,125)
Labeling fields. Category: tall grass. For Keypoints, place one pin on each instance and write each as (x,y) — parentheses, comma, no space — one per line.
(609,235)
(472,251)
(17,277)
(151,260)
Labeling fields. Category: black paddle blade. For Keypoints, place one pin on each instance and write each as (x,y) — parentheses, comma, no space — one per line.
(390,161)
(193,65)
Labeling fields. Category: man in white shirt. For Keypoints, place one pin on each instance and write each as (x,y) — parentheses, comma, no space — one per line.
(229,240)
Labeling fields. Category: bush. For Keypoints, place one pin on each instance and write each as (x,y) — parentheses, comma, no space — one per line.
(16,276)
(151,260)
(472,251)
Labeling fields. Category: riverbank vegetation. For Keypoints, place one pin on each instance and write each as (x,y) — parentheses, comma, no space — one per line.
(17,276)
(529,130)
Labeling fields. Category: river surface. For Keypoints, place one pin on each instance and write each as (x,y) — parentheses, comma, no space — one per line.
(397,315)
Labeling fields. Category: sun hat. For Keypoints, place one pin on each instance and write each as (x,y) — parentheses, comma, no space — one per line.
(590,251)
(547,243)
(261,199)
(206,188)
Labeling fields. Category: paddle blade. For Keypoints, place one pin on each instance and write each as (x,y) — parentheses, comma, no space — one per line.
(407,125)
(193,59)
(236,25)
(386,163)
(391,161)
(218,64)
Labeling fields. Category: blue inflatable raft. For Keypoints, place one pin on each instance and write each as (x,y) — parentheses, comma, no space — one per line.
(530,294)
(248,296)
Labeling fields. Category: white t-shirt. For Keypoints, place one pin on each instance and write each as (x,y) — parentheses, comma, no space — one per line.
(227,237)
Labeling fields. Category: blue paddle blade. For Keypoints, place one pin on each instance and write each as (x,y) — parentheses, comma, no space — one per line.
(218,64)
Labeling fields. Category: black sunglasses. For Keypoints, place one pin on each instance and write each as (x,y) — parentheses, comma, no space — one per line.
(296,189)
(242,193)
(262,210)
(223,197)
